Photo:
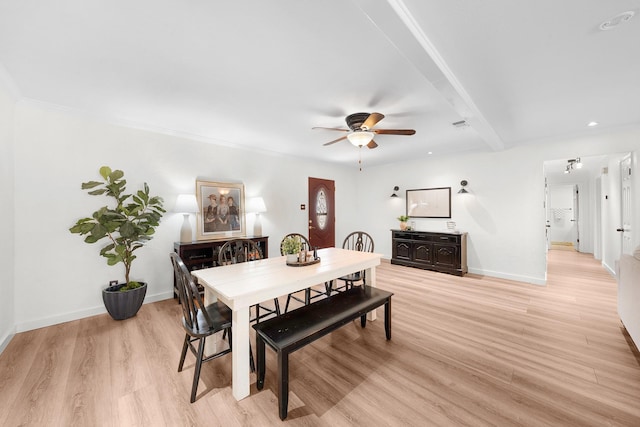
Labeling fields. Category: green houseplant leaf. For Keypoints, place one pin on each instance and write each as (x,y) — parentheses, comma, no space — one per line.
(127,225)
(291,245)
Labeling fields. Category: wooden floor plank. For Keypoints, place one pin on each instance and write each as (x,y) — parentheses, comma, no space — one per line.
(465,351)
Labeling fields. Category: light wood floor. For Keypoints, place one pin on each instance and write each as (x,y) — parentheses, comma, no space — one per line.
(469,351)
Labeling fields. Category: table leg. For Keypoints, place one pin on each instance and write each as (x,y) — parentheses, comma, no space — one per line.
(240,353)
(370,274)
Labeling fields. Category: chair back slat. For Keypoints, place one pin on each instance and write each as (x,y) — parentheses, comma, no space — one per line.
(237,251)
(190,298)
(358,241)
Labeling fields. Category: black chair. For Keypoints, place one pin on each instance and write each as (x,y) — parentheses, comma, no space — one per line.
(309,293)
(199,322)
(356,241)
(243,250)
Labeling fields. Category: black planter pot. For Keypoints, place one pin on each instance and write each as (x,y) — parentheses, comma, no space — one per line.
(122,305)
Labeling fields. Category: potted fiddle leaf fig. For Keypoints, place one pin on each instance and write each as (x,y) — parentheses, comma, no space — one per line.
(126,226)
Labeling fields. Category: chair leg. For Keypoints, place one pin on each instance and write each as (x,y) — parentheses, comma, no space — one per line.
(252,365)
(196,374)
(184,352)
(286,306)
(276,302)
(328,286)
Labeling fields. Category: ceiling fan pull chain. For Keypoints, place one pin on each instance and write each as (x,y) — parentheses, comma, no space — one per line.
(360,158)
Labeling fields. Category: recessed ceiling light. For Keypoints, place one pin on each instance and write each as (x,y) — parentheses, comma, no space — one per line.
(430,152)
(617,20)
(592,124)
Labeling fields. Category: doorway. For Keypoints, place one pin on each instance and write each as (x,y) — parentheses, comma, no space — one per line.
(563,217)
(322,218)
(603,207)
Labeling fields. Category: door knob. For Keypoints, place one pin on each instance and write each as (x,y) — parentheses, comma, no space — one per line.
(619,229)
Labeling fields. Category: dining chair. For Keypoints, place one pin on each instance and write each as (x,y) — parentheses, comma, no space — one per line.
(244,250)
(198,321)
(356,241)
(309,293)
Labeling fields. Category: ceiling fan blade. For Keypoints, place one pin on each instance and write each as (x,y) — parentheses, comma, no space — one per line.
(335,140)
(340,129)
(394,131)
(372,120)
(372,144)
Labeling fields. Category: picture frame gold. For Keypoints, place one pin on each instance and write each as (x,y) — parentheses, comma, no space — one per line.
(217,216)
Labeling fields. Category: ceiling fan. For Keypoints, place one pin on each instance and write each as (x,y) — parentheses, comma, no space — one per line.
(360,132)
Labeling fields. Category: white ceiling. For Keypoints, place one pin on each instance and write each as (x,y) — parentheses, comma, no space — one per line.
(261,74)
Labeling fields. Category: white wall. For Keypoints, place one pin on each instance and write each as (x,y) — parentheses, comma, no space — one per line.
(504,215)
(611,206)
(7,313)
(58,276)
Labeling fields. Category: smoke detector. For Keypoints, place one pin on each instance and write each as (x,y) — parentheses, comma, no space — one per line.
(617,20)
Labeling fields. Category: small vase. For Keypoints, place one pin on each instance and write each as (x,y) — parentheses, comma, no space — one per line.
(403,225)
(291,258)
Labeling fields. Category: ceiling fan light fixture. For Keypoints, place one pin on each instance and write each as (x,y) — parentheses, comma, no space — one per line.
(360,138)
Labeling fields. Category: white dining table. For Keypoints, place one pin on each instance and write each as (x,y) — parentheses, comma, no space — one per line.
(242,285)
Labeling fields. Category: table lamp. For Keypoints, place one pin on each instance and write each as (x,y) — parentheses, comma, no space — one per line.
(186,204)
(256,205)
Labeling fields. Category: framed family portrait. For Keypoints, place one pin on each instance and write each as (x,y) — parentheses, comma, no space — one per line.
(429,203)
(221,210)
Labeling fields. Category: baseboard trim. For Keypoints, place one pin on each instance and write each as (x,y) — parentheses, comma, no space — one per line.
(7,339)
(507,276)
(80,314)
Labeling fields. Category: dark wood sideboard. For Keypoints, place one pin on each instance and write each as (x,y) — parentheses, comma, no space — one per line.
(439,251)
(204,253)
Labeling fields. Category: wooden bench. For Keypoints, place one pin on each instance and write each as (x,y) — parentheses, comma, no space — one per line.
(295,329)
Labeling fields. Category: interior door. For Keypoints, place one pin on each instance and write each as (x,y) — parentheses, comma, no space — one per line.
(322,218)
(626,200)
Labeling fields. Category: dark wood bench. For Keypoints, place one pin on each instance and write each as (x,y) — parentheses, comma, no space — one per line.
(295,329)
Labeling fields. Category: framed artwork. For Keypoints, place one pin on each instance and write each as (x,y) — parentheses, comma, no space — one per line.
(429,203)
(221,210)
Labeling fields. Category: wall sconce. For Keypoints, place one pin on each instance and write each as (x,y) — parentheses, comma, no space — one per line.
(186,204)
(256,205)
(463,190)
(396,188)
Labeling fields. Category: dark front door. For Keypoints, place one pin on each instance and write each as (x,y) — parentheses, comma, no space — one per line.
(322,218)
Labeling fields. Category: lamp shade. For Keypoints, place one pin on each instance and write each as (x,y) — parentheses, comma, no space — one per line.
(186,203)
(256,205)
(360,138)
